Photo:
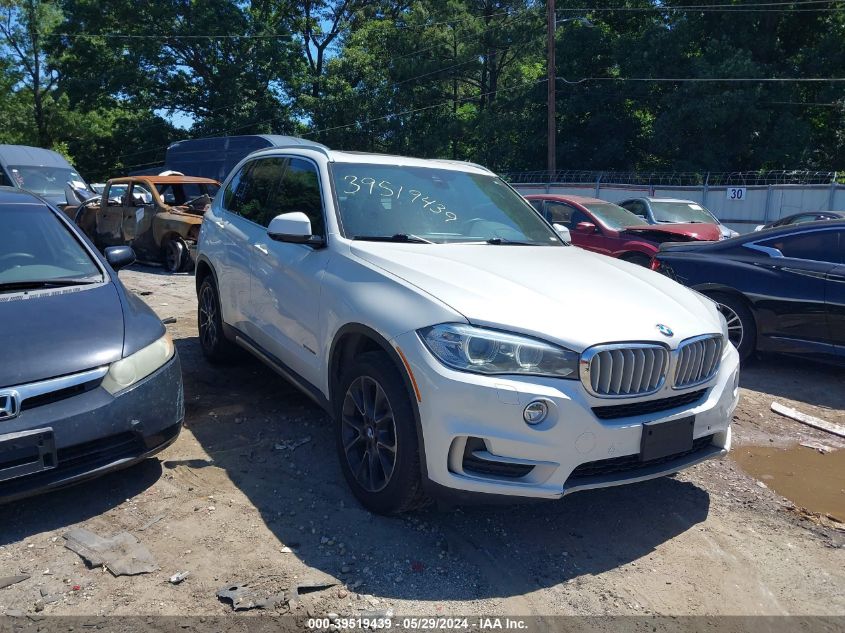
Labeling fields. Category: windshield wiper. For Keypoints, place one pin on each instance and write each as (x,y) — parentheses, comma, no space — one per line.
(505,241)
(34,284)
(398,237)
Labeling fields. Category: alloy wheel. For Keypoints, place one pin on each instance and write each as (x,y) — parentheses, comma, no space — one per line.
(735,329)
(208,314)
(368,434)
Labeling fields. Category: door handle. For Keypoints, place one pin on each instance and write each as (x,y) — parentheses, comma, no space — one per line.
(261,249)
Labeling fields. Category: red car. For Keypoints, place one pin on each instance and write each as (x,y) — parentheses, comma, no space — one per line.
(606,228)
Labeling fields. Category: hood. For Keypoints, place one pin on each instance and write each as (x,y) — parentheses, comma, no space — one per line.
(561,294)
(696,231)
(52,333)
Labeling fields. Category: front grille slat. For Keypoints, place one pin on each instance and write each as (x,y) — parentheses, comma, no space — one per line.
(620,370)
(698,360)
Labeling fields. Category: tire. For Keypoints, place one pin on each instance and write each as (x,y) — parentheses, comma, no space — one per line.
(175,254)
(373,413)
(215,346)
(637,258)
(742,329)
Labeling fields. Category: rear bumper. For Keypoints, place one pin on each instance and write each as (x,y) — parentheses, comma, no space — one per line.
(96,433)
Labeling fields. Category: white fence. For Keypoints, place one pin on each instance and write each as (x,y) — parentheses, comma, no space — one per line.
(739,206)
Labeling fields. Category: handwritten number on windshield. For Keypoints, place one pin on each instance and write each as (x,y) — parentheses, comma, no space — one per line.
(387,191)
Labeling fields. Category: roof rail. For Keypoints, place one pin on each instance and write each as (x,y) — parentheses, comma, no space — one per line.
(289,142)
(462,162)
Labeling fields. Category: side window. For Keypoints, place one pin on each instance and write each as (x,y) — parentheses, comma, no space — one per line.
(578,217)
(234,190)
(139,196)
(559,213)
(537,204)
(820,246)
(254,188)
(4,179)
(637,208)
(299,191)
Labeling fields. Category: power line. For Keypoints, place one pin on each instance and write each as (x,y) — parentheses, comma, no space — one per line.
(710,79)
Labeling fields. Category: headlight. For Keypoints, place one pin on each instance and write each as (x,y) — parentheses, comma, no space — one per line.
(127,371)
(483,351)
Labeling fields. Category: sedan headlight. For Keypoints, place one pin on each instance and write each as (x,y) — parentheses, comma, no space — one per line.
(127,371)
(484,351)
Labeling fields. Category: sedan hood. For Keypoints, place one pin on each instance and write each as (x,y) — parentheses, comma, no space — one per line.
(53,333)
(562,294)
(692,231)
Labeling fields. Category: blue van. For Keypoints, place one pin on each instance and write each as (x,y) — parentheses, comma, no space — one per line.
(214,157)
(41,171)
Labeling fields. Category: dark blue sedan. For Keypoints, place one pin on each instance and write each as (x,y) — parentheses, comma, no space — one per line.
(89,379)
(780,290)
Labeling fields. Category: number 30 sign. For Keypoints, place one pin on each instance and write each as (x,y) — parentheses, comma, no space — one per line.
(736,193)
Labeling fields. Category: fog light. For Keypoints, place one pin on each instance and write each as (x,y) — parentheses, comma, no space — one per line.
(535,412)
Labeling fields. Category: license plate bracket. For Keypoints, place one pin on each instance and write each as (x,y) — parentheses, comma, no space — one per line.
(662,439)
(26,453)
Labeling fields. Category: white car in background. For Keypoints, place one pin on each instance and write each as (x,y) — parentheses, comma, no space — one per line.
(458,343)
(673,211)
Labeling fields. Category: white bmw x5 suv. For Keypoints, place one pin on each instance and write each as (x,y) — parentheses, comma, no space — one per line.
(459,344)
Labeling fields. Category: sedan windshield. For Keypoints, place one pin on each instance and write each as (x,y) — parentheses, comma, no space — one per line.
(45,181)
(427,205)
(613,216)
(39,251)
(681,212)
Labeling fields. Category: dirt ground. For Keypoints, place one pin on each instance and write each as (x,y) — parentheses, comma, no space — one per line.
(234,500)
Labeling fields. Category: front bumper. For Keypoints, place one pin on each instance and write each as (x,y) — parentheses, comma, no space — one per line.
(572,449)
(95,432)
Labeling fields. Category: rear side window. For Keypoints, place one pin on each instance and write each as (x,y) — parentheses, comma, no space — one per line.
(820,246)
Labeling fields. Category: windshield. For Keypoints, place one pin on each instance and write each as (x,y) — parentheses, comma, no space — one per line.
(45,181)
(613,216)
(434,205)
(681,212)
(38,248)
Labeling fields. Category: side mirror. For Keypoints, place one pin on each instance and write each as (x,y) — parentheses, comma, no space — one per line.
(563,233)
(585,227)
(120,256)
(294,228)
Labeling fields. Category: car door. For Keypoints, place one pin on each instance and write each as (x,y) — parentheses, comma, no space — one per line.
(238,229)
(792,297)
(108,224)
(286,277)
(835,297)
(138,211)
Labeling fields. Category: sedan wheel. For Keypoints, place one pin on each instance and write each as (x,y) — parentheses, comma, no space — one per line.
(735,329)
(369,434)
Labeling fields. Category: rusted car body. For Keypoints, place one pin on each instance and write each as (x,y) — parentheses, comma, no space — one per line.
(158,216)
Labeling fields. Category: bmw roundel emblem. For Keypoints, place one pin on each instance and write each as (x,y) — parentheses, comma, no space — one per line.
(665,330)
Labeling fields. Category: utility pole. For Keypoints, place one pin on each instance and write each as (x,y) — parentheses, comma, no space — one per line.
(550,84)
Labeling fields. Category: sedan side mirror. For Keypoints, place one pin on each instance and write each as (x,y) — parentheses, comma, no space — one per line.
(294,228)
(563,233)
(585,227)
(120,256)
